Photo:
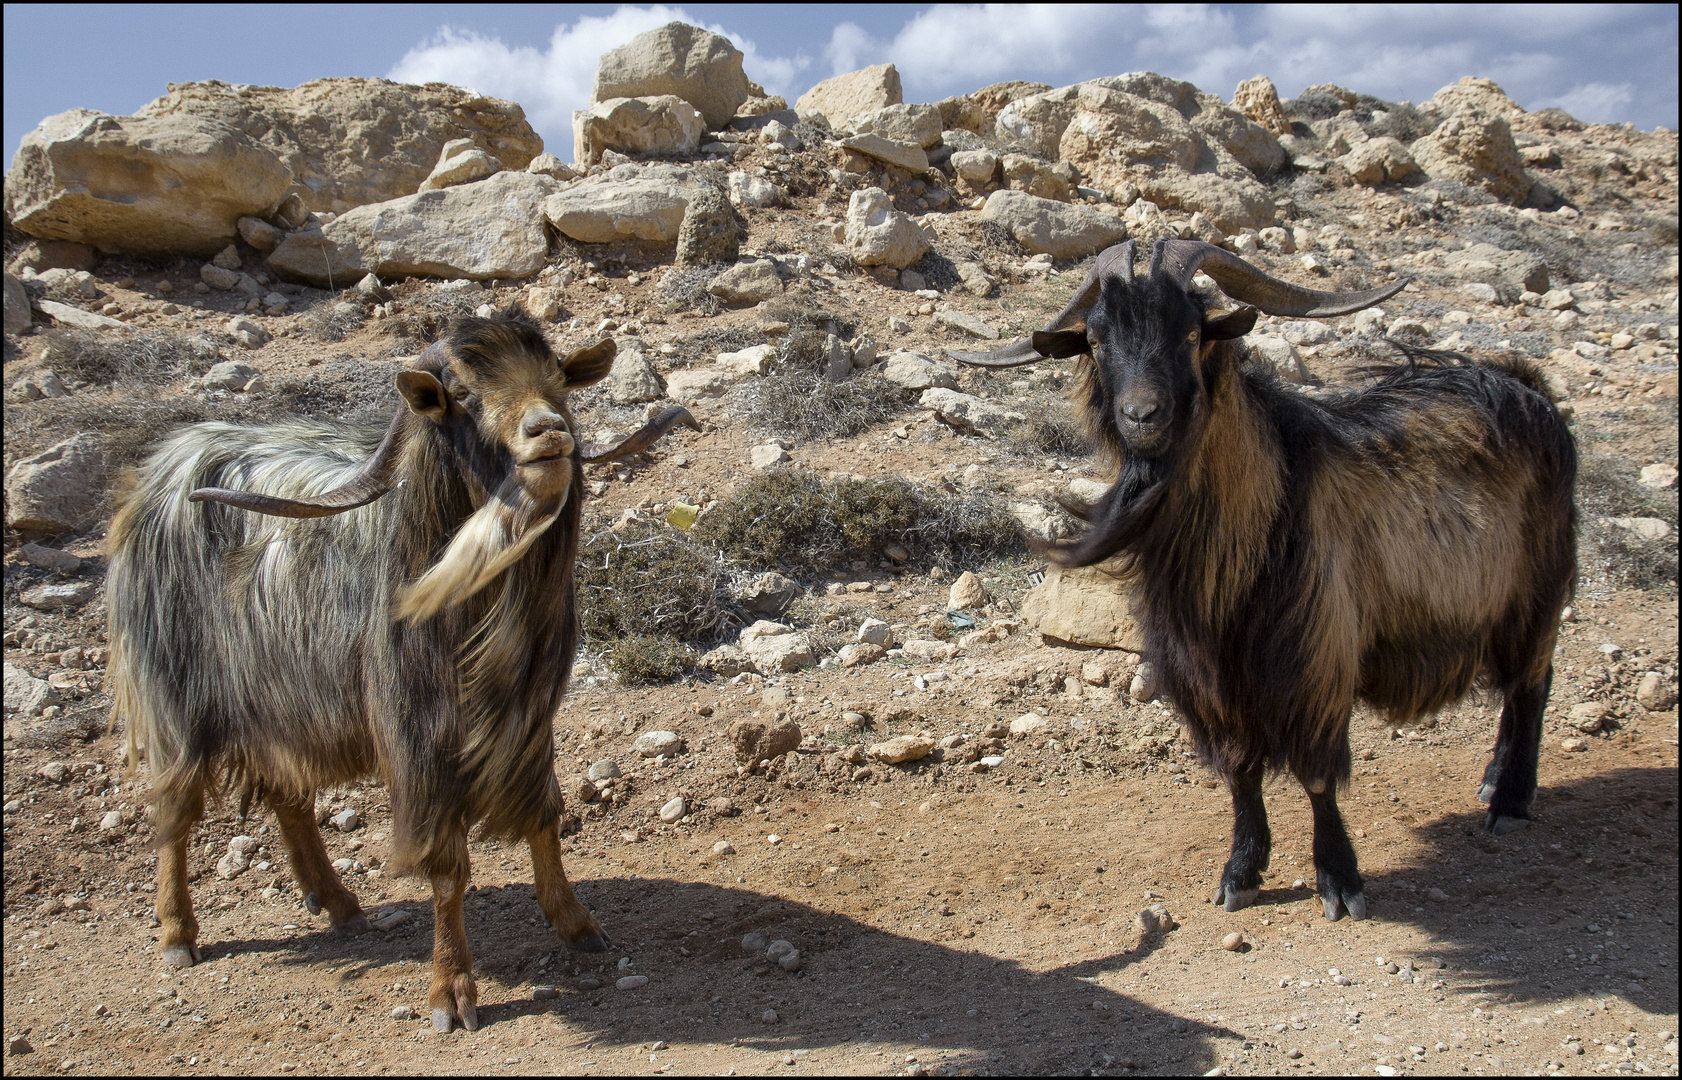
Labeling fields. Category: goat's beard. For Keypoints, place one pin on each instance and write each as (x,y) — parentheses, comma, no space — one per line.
(1121,515)
(488,542)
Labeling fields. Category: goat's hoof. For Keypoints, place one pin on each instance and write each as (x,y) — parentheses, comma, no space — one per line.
(593,942)
(441,1021)
(353,927)
(469,1016)
(1502,824)
(1236,899)
(1336,904)
(312,904)
(1486,792)
(181,956)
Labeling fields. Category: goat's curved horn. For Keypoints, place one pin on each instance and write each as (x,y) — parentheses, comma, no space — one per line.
(643,438)
(1116,260)
(373,481)
(1180,259)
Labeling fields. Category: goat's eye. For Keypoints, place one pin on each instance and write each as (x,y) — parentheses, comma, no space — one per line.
(1192,337)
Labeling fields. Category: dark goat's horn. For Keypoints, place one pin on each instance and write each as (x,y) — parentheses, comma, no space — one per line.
(642,439)
(1114,260)
(373,481)
(1180,259)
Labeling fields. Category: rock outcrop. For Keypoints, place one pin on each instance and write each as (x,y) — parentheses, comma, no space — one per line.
(684,61)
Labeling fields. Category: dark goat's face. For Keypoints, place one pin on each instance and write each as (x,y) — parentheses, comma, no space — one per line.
(1149,340)
(500,398)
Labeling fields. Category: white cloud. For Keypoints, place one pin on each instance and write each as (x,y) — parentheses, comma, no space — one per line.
(550,83)
(1595,102)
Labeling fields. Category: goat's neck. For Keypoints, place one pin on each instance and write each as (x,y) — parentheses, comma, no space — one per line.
(1227,498)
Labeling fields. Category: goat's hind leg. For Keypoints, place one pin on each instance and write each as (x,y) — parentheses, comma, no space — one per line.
(562,909)
(1252,844)
(176,811)
(455,995)
(312,869)
(1509,784)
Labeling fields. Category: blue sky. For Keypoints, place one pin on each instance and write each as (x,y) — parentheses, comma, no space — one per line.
(1601,62)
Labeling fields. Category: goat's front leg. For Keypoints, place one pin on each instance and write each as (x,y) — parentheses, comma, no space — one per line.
(561,907)
(1252,843)
(455,996)
(312,869)
(1338,876)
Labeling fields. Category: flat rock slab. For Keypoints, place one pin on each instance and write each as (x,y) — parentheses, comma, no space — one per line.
(70,315)
(907,156)
(969,324)
(640,208)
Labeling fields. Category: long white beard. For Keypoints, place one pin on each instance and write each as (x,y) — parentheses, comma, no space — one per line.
(487,543)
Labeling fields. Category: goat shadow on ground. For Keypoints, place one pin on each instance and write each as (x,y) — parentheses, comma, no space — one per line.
(859,985)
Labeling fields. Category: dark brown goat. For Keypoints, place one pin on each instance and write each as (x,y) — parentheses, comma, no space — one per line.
(396,605)
(1295,554)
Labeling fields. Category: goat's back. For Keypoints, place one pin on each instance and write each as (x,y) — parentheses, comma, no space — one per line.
(230,631)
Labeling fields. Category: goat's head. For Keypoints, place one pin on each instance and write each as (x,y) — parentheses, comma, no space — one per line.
(496,394)
(1151,337)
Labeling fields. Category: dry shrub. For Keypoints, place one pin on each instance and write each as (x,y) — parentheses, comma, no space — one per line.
(802,404)
(792,518)
(148,358)
(643,660)
(685,289)
(1607,488)
(335,319)
(649,579)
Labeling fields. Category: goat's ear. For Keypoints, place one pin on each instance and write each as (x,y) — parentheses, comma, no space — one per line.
(1058,344)
(590,364)
(1226,325)
(424,394)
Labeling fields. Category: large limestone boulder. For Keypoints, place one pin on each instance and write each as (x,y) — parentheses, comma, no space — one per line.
(641,207)
(1083,605)
(1472,94)
(354,141)
(685,61)
(968,413)
(489,229)
(1476,149)
(633,379)
(1258,99)
(662,126)
(846,98)
(60,489)
(1371,162)
(1053,228)
(173,185)
(915,371)
(879,235)
(775,647)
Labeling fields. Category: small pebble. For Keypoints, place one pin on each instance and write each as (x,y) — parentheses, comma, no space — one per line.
(587,985)
(403,1012)
(17,1045)
(789,961)
(724,847)
(632,982)
(770,1016)
(544,993)
(778,948)
(754,942)
(1233,942)
(673,811)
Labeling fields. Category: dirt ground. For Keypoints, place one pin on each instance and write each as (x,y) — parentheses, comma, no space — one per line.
(947,920)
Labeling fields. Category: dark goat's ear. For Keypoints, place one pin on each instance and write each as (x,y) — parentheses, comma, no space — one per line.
(590,364)
(424,394)
(1058,344)
(1226,325)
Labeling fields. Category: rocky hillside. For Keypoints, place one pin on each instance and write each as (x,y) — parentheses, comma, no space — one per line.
(820,609)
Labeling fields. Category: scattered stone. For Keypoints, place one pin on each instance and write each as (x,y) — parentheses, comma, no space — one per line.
(724,847)
(754,942)
(1279,352)
(655,743)
(915,371)
(632,982)
(1658,476)
(763,457)
(1573,746)
(673,811)
(1655,693)
(1478,150)
(1589,716)
(1028,725)
(860,653)
(774,647)
(1646,528)
(113,819)
(346,820)
(234,375)
(756,740)
(1143,686)
(1233,942)
(1084,606)
(768,594)
(1257,99)
(1155,920)
(1053,228)
(902,750)
(769,1016)
(907,156)
(875,632)
(690,385)
(49,558)
(390,920)
(967,323)
(69,315)
(966,592)
(60,597)
(662,125)
(551,166)
(878,235)
(25,694)
(967,413)
(605,769)
(710,232)
(748,282)
(55,771)
(790,960)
